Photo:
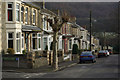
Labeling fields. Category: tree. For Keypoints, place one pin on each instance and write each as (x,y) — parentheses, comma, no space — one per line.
(75,49)
(56,25)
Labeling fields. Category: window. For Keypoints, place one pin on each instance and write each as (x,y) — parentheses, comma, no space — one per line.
(17,12)
(70,44)
(22,41)
(10,11)
(10,40)
(18,42)
(22,13)
(44,24)
(45,42)
(26,15)
(34,17)
(39,41)
(34,38)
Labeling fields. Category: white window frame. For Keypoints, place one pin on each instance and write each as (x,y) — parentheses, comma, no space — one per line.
(10,9)
(17,38)
(22,41)
(38,37)
(44,42)
(22,12)
(18,10)
(34,14)
(26,12)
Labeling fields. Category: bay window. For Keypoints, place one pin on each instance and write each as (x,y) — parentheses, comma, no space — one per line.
(22,13)
(10,11)
(26,15)
(39,41)
(17,12)
(34,17)
(22,41)
(18,42)
(34,40)
(10,40)
(44,42)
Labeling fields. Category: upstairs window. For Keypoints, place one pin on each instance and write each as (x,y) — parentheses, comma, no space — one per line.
(34,17)
(26,15)
(10,11)
(17,12)
(22,13)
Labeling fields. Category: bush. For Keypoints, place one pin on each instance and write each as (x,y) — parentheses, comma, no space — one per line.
(51,46)
(37,54)
(24,51)
(46,48)
(75,49)
(80,51)
(10,51)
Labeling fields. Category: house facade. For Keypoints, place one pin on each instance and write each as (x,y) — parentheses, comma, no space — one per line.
(24,26)
(20,27)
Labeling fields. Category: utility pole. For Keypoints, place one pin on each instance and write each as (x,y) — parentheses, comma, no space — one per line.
(90,30)
(104,40)
(118,27)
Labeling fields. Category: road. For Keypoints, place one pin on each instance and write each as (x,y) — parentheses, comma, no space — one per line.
(106,67)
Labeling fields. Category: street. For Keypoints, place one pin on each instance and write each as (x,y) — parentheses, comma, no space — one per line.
(106,67)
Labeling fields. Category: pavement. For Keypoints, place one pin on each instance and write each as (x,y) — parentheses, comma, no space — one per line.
(42,69)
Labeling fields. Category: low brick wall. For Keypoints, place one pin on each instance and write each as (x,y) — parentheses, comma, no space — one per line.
(14,63)
(40,62)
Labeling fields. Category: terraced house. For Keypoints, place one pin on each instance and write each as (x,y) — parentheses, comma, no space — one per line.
(25,27)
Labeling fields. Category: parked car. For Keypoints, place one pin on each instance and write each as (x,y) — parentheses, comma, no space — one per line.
(103,53)
(87,56)
(110,51)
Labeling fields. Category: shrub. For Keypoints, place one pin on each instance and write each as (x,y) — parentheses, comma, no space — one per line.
(46,48)
(36,54)
(75,49)
(10,51)
(24,51)
(80,51)
(51,46)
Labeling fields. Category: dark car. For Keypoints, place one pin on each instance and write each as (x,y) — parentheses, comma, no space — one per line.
(87,56)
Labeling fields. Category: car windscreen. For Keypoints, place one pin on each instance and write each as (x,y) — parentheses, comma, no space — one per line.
(86,53)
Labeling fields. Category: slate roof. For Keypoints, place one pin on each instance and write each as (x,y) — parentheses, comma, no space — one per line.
(47,11)
(30,28)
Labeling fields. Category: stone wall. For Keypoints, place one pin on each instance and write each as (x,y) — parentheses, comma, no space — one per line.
(40,62)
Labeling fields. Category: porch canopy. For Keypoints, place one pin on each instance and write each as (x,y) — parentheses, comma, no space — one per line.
(30,28)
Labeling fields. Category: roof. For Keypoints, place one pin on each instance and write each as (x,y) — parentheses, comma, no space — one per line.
(30,28)
(47,11)
(33,4)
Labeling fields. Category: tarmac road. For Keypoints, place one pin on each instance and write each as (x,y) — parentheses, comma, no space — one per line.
(106,67)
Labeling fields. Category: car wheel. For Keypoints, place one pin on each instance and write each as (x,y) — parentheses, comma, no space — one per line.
(98,56)
(93,61)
